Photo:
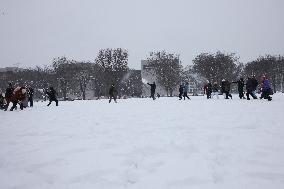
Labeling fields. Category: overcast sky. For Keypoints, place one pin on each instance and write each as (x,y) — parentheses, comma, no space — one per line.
(33,32)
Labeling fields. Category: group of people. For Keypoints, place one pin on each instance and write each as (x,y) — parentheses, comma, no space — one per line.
(22,95)
(210,89)
(251,85)
(18,95)
(183,91)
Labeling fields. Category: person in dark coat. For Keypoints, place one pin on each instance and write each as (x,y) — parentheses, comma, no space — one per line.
(31,96)
(52,96)
(112,93)
(227,88)
(180,92)
(153,89)
(250,88)
(208,89)
(241,84)
(8,95)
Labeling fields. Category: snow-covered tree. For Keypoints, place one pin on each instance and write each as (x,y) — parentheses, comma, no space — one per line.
(167,68)
(115,65)
(271,66)
(218,66)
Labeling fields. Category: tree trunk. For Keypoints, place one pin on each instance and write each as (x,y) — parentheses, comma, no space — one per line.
(83,90)
(84,94)
(64,94)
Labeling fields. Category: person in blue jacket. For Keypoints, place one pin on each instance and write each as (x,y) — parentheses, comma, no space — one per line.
(185,90)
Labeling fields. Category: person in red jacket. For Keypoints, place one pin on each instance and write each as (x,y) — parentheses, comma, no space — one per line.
(18,96)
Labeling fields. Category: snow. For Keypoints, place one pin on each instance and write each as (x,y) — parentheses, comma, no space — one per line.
(141,143)
(144,81)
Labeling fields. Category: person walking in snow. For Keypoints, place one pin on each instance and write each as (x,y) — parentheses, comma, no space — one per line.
(31,96)
(250,88)
(112,93)
(227,88)
(266,89)
(186,90)
(52,96)
(208,89)
(180,92)
(215,90)
(19,95)
(241,84)
(8,95)
(153,89)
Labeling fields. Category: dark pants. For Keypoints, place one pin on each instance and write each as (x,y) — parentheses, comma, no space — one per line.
(251,94)
(185,95)
(31,100)
(55,100)
(265,94)
(15,105)
(228,95)
(241,94)
(8,100)
(2,105)
(112,97)
(180,95)
(208,95)
(153,95)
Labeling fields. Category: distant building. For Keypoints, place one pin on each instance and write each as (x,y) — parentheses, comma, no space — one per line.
(11,69)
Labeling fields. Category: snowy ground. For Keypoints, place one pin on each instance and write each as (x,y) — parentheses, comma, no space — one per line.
(145,144)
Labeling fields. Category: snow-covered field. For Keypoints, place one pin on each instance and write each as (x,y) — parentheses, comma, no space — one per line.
(145,144)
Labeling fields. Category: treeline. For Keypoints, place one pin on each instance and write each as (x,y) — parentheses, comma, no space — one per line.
(218,66)
(75,78)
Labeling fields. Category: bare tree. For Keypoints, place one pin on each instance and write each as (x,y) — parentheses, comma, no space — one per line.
(64,71)
(167,68)
(115,65)
(217,66)
(271,66)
